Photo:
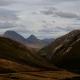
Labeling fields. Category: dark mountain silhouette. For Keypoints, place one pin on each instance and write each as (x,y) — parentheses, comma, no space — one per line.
(64,51)
(14,36)
(20,54)
(31,41)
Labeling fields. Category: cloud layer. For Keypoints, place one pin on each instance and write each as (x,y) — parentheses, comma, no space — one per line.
(44,18)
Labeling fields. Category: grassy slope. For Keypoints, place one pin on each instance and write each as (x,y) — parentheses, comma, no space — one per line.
(43,75)
(7,66)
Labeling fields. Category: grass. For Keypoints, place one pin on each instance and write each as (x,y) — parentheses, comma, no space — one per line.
(43,75)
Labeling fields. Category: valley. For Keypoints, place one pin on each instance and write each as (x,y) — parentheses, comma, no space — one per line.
(57,61)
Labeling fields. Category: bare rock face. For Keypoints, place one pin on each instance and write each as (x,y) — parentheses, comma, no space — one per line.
(65,51)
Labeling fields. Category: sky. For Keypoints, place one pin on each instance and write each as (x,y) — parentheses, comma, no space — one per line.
(43,18)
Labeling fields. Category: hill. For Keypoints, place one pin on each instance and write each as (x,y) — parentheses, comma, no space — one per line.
(17,52)
(19,62)
(64,51)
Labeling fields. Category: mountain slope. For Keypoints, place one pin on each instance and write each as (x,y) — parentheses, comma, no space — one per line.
(9,66)
(14,36)
(16,52)
(48,41)
(19,62)
(38,43)
(31,41)
(64,51)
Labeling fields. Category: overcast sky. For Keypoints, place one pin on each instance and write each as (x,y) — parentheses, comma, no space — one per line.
(43,18)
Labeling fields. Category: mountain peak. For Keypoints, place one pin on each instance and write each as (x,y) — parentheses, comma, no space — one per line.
(10,32)
(14,36)
(33,37)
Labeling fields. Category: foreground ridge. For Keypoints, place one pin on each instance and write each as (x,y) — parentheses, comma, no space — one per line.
(64,51)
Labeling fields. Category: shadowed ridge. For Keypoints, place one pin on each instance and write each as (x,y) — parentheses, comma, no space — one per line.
(14,36)
(64,51)
(17,52)
(59,41)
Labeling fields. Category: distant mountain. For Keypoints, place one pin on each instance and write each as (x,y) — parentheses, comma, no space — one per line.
(31,41)
(48,41)
(14,36)
(35,42)
(64,51)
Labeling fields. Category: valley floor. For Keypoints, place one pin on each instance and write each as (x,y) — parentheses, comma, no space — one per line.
(43,75)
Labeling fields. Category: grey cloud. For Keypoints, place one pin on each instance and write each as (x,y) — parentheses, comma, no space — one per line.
(22,30)
(56,29)
(49,11)
(54,2)
(6,25)
(39,2)
(50,30)
(60,0)
(7,19)
(46,31)
(7,14)
(54,32)
(66,28)
(67,15)
(6,2)
(56,13)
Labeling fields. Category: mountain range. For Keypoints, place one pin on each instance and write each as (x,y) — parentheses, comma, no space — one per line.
(31,41)
(17,52)
(58,60)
